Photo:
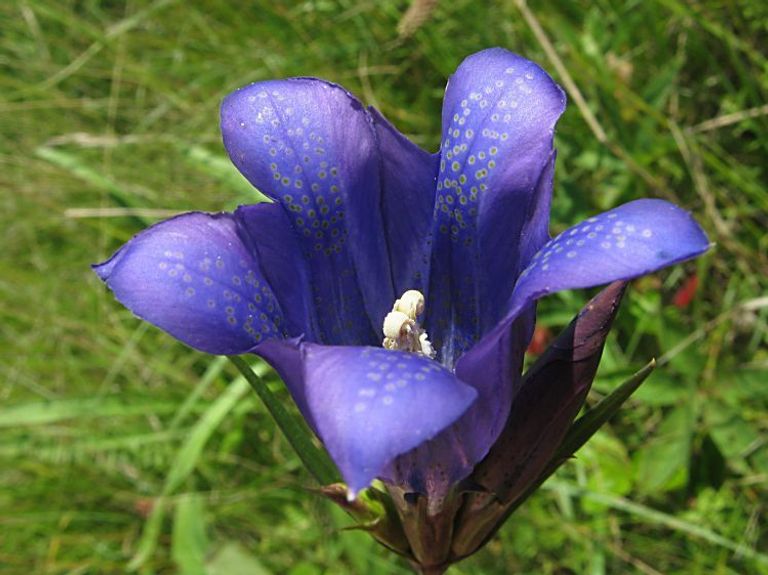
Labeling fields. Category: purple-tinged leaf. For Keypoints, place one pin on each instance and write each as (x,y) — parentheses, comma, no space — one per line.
(588,424)
(484,514)
(551,395)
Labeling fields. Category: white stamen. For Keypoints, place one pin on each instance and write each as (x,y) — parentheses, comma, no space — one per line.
(401,328)
(426,345)
(397,324)
(411,303)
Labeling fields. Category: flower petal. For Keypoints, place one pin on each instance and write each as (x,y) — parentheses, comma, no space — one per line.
(193,277)
(499,116)
(408,196)
(287,357)
(370,405)
(310,146)
(280,257)
(535,232)
(493,370)
(641,236)
(629,241)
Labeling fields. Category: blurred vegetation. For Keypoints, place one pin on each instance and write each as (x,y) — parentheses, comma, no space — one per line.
(118,446)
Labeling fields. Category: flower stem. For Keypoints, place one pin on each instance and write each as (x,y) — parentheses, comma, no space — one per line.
(314,459)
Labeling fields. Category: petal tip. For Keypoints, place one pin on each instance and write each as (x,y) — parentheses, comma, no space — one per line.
(102,270)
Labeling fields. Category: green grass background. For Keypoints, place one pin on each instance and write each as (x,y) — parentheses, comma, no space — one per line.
(121,448)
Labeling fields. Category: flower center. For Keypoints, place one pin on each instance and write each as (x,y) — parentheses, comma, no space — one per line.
(401,328)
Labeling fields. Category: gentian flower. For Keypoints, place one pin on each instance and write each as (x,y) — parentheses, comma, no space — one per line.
(392,289)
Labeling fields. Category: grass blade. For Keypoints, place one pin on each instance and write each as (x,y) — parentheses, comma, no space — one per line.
(660,518)
(189,543)
(184,463)
(315,460)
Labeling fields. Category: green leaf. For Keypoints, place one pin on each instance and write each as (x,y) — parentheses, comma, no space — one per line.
(606,462)
(734,436)
(83,449)
(663,462)
(374,512)
(759,459)
(219,167)
(72,164)
(316,460)
(669,521)
(304,568)
(663,389)
(211,373)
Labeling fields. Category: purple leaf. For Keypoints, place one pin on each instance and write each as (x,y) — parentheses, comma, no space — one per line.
(551,395)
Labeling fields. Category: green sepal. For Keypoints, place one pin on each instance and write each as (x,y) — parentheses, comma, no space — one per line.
(374,512)
(588,424)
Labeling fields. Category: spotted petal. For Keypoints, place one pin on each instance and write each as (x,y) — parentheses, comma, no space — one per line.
(370,405)
(269,234)
(193,277)
(311,147)
(492,369)
(629,241)
(498,125)
(494,366)
(408,195)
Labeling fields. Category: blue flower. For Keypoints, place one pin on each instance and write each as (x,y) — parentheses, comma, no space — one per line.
(362,216)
